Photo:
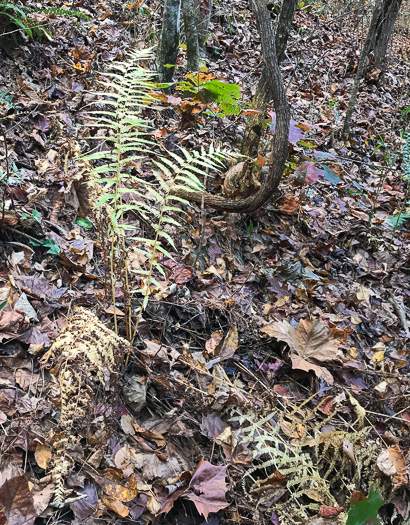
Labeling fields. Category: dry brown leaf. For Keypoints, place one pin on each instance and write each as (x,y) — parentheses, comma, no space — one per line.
(309,344)
(115,505)
(208,488)
(26,379)
(214,341)
(392,463)
(42,455)
(230,344)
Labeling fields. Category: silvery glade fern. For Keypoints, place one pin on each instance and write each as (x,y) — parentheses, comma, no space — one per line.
(126,91)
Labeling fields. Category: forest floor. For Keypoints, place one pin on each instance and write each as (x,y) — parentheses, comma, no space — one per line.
(269,382)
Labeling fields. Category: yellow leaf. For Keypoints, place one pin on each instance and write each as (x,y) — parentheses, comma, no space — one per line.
(378,357)
(352,353)
(282,301)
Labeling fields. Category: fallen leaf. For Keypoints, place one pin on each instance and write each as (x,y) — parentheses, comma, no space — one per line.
(26,379)
(208,488)
(112,482)
(329,512)
(17,501)
(115,505)
(214,341)
(309,344)
(378,357)
(230,344)
(42,455)
(392,463)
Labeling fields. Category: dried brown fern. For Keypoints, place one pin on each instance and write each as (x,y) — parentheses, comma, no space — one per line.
(313,465)
(85,355)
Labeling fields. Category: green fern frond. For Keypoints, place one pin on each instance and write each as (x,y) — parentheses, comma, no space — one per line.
(63,12)
(399,220)
(406,155)
(126,92)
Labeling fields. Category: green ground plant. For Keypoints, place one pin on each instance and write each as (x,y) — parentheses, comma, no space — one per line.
(126,93)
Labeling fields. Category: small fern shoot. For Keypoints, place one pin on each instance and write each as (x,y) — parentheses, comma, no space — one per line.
(126,93)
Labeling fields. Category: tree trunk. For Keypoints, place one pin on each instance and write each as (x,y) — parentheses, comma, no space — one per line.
(369,43)
(169,40)
(191,34)
(203,11)
(384,29)
(263,94)
(280,138)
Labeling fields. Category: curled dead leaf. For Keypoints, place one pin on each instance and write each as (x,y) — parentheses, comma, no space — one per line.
(212,344)
(392,463)
(42,455)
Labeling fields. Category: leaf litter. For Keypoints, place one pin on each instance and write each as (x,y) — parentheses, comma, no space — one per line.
(295,322)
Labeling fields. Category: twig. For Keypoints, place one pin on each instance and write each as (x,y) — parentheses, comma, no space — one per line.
(6,182)
(18,232)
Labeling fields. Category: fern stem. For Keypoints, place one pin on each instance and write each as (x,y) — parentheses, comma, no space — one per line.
(406,166)
(151,264)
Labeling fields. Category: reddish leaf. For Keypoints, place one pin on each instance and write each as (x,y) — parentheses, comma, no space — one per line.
(308,172)
(329,512)
(208,488)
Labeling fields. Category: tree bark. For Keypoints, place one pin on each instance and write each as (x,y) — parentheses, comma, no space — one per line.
(384,29)
(169,40)
(369,43)
(263,94)
(280,138)
(203,11)
(191,34)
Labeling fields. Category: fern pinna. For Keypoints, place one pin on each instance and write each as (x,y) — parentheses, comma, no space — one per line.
(127,90)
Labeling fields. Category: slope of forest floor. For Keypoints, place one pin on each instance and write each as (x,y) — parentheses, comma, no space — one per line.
(269,381)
